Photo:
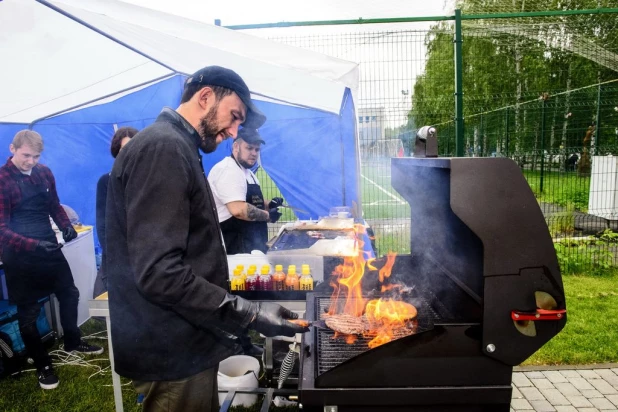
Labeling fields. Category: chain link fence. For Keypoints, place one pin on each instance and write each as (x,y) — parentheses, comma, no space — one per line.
(542,91)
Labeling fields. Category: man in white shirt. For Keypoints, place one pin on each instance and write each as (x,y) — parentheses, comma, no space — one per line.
(243,212)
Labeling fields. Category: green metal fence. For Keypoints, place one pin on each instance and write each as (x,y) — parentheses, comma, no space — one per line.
(532,84)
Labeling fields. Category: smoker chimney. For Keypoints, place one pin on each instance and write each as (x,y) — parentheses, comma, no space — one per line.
(426,142)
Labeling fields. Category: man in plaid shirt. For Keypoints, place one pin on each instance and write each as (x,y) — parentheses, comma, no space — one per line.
(35,266)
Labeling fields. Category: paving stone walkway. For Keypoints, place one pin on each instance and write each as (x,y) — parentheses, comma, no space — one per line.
(561,389)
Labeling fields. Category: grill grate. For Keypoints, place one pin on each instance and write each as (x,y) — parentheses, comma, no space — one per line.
(332,351)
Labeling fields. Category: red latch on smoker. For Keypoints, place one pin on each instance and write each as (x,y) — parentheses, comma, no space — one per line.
(540,314)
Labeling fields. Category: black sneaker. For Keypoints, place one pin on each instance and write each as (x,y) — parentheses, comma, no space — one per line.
(47,378)
(87,349)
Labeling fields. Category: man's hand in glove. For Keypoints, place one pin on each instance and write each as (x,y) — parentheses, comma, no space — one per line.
(272,320)
(275,202)
(274,214)
(68,234)
(46,247)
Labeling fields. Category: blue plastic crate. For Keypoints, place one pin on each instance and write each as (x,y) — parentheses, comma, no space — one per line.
(10,326)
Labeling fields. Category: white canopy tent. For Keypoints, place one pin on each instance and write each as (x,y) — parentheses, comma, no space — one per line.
(77,51)
(75,69)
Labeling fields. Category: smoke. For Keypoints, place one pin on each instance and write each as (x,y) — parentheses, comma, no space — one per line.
(446,256)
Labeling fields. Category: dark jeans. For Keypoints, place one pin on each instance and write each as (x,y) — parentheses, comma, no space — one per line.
(27,315)
(195,393)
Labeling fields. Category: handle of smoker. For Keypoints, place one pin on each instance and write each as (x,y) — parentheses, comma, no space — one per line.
(540,314)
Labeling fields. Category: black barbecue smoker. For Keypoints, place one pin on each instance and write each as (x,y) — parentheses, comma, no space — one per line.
(484,277)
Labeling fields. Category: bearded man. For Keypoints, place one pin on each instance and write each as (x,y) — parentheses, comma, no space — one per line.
(172,318)
(243,212)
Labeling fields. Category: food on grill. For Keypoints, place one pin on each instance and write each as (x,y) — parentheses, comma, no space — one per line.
(352,325)
(389,311)
(347,324)
(404,330)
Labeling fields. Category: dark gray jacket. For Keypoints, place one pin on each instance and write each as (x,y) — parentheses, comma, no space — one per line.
(167,267)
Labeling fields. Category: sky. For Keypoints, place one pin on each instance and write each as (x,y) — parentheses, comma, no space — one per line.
(271,11)
(382,85)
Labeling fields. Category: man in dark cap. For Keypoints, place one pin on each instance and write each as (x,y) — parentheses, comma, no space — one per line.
(172,318)
(243,213)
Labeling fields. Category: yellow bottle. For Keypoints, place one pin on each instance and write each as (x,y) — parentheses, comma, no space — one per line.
(306,281)
(241,269)
(291,280)
(279,278)
(238,283)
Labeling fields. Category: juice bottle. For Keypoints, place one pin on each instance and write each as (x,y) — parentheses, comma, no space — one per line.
(279,278)
(291,281)
(265,281)
(251,282)
(241,269)
(306,281)
(238,283)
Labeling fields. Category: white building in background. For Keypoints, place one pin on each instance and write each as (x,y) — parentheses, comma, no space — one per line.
(371,124)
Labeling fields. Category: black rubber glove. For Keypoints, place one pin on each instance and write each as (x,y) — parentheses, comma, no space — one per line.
(272,320)
(235,315)
(275,202)
(46,247)
(274,214)
(68,234)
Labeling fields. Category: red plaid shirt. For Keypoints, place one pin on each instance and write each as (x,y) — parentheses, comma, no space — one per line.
(10,196)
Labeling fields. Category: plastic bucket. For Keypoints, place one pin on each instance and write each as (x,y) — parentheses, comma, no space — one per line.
(239,371)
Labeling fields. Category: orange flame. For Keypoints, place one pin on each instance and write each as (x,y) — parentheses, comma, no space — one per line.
(395,286)
(349,276)
(384,316)
(385,272)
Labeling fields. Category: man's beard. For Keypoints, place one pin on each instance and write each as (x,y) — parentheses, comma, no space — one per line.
(209,130)
(245,164)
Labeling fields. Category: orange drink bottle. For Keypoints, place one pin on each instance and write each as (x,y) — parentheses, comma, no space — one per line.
(279,278)
(291,281)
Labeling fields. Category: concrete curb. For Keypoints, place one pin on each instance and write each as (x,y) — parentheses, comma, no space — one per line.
(528,368)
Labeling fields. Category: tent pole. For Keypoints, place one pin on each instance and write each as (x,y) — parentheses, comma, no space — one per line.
(102,33)
(31,125)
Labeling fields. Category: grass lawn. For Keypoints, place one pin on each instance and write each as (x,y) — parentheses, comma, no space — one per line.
(560,188)
(591,333)
(77,390)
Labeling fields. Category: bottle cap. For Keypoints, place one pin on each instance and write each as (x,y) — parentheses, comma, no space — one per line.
(305,270)
(292,269)
(265,270)
(278,268)
(251,270)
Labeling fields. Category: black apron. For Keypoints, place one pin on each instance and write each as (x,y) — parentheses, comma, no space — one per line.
(31,276)
(242,236)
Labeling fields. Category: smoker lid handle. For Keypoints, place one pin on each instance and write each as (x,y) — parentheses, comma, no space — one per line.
(540,314)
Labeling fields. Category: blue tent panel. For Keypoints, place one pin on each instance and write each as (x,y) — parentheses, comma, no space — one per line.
(7,132)
(309,154)
(77,144)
